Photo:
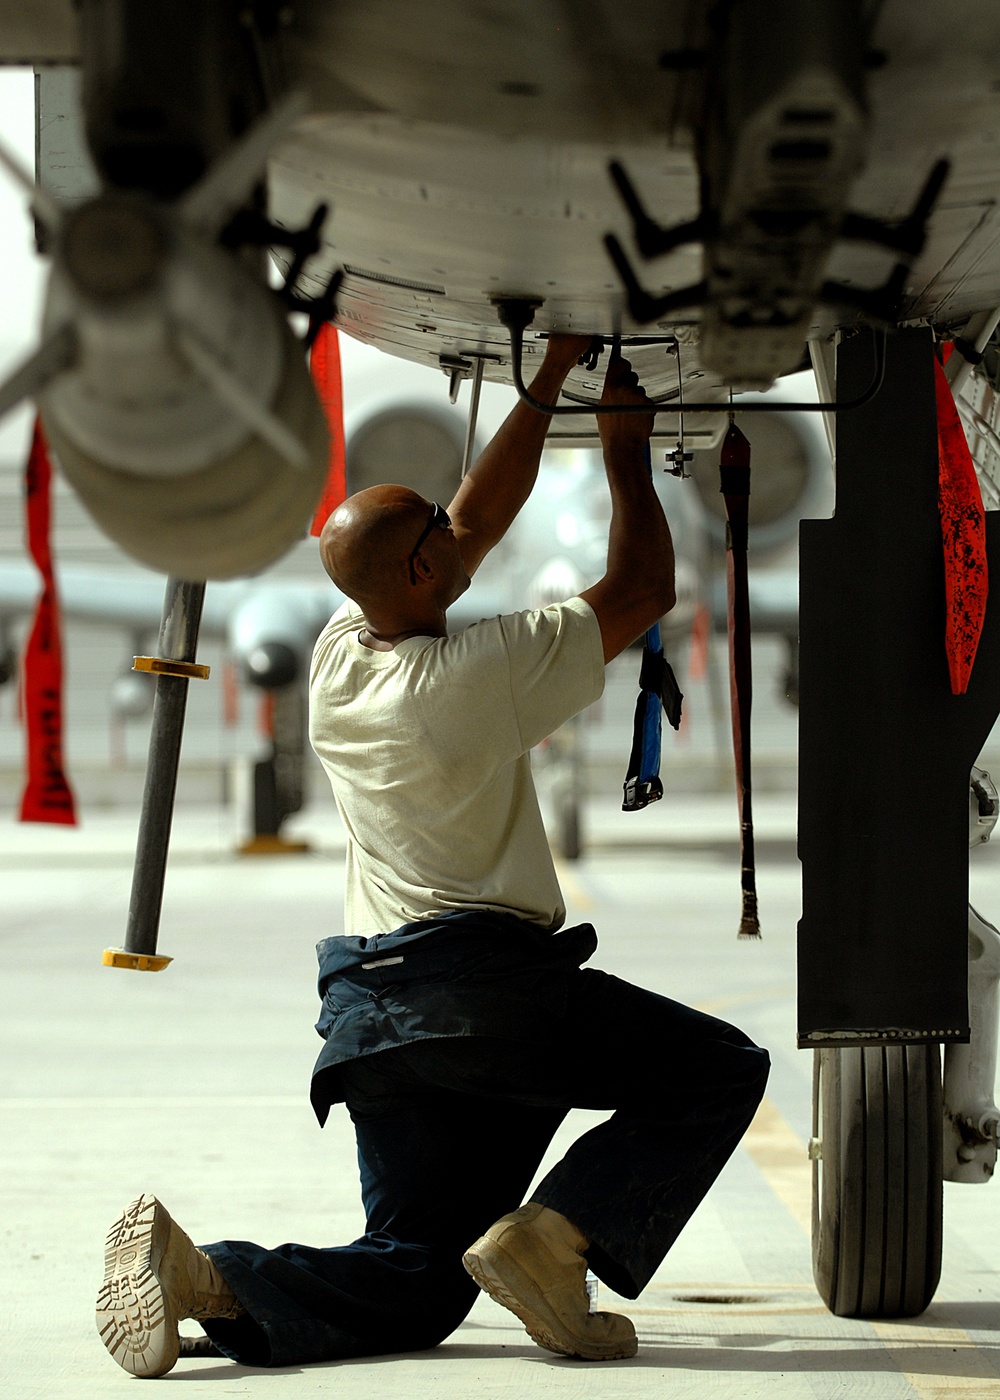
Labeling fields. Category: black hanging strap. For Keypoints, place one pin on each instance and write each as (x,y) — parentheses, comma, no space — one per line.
(734,472)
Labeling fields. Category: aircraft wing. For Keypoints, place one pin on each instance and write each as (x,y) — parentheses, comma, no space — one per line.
(269,626)
(131,600)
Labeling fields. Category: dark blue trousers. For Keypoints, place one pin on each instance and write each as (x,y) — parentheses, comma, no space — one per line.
(450,1134)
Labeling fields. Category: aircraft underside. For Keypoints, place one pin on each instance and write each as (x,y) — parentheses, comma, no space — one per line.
(724,185)
(780,149)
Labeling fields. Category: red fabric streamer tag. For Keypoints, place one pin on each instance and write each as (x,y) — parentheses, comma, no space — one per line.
(963,534)
(324,363)
(47,795)
(230,695)
(701,630)
(265,715)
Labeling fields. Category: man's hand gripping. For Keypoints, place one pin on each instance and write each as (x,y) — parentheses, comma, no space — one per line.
(638,587)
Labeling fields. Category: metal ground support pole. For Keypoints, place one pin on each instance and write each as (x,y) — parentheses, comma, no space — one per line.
(173,667)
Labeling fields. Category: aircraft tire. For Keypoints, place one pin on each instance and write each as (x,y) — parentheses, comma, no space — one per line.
(877,1178)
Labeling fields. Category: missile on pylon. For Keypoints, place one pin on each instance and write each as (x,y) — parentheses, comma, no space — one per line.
(174,393)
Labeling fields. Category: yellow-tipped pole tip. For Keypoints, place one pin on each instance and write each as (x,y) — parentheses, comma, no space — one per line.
(136,962)
(273,846)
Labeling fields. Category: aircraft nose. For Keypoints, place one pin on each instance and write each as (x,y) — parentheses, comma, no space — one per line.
(271,664)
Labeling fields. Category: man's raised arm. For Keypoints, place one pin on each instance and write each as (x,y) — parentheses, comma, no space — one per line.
(501,479)
(638,586)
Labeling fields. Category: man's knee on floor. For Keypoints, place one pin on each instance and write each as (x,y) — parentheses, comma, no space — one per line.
(753,1058)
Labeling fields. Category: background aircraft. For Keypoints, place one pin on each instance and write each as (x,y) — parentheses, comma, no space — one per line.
(400,425)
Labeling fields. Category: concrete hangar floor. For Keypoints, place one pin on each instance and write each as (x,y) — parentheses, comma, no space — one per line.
(192,1083)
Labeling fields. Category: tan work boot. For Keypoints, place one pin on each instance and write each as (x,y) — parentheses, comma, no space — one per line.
(532,1262)
(153,1276)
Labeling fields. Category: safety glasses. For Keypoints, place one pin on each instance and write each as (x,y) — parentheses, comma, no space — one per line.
(438,517)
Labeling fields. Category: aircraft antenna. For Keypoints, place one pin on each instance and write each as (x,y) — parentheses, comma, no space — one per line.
(470,431)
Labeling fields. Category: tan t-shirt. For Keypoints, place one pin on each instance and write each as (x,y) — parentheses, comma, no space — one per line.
(426,747)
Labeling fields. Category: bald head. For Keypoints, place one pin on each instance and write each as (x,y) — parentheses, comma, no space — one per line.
(367,541)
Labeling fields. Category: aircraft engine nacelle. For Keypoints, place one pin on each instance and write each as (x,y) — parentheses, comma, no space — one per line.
(185,418)
(790,478)
(271,635)
(413,443)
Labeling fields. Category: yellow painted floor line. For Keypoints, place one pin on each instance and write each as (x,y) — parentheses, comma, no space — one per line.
(717,1006)
(154,1103)
(780,1154)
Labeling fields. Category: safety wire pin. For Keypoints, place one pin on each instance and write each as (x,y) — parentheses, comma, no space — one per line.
(679,456)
